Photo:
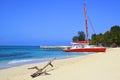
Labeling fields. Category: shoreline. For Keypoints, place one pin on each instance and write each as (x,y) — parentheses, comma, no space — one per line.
(17,63)
(99,66)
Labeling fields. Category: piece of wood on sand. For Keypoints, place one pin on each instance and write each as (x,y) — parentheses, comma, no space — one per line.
(42,70)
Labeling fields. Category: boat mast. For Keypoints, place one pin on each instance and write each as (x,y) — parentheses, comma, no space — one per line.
(86,23)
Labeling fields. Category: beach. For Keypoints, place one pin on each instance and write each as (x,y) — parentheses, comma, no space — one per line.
(98,66)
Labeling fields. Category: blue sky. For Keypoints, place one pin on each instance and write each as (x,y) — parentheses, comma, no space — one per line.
(53,22)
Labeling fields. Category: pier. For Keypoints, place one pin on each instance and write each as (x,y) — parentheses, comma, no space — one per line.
(53,47)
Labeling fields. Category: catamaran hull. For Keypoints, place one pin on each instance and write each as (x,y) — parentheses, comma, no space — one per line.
(86,50)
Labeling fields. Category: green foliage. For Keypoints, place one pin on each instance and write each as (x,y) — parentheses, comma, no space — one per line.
(80,37)
(94,41)
(108,38)
(75,39)
(115,34)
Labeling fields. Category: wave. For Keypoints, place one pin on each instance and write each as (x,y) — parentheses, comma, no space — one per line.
(13,63)
(24,61)
(19,61)
(14,54)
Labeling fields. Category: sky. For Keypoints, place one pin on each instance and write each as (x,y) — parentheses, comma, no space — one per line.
(53,22)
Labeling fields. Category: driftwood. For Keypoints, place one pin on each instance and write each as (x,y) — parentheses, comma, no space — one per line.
(42,70)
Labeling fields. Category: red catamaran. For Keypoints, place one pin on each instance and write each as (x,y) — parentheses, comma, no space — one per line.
(83,46)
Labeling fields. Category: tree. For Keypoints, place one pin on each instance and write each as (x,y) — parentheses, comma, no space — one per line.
(108,38)
(93,40)
(97,38)
(111,37)
(80,37)
(75,38)
(115,34)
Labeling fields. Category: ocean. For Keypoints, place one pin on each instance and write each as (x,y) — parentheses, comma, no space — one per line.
(19,55)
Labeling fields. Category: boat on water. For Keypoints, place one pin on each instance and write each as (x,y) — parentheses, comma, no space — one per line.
(83,46)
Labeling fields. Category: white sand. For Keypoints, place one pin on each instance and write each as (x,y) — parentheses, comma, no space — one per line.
(99,66)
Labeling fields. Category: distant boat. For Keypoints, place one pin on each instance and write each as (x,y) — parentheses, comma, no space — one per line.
(83,46)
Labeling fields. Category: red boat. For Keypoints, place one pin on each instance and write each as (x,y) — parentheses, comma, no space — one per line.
(83,46)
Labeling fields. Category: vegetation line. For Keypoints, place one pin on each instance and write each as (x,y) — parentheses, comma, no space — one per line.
(110,38)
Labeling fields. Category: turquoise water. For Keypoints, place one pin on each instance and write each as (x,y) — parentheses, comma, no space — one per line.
(18,55)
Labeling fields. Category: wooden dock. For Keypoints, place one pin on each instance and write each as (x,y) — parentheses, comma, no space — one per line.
(53,47)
